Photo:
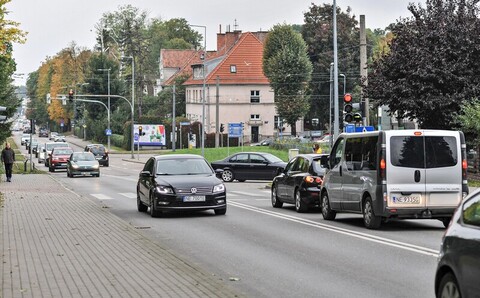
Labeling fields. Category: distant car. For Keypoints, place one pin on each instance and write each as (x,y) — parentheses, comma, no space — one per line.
(31,145)
(100,152)
(265,142)
(82,163)
(40,153)
(48,150)
(249,166)
(58,158)
(324,140)
(458,267)
(43,133)
(299,183)
(59,138)
(180,182)
(52,135)
(25,139)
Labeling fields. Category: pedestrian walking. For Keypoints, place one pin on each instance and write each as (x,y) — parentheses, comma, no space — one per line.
(8,159)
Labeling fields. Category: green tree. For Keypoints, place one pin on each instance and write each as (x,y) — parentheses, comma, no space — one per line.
(287,66)
(469,121)
(432,67)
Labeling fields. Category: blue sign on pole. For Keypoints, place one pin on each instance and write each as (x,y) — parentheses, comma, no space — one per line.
(235,130)
(108,132)
(184,123)
(349,128)
(364,128)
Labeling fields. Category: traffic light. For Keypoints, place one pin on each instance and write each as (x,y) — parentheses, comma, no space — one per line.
(347,108)
(222,128)
(70,95)
(2,117)
(357,117)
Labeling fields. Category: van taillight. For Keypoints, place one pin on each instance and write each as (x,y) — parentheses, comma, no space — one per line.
(383,168)
(464,169)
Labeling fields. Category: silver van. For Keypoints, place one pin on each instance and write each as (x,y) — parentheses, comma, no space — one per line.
(396,174)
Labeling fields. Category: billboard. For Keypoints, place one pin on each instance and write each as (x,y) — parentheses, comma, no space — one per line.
(149,134)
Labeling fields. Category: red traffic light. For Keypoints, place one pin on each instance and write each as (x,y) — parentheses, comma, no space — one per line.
(347,98)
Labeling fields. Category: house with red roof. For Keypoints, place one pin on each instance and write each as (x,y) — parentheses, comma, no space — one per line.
(236,89)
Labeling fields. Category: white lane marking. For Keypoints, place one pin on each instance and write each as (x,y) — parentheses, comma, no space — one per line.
(360,235)
(248,194)
(129,195)
(121,177)
(101,196)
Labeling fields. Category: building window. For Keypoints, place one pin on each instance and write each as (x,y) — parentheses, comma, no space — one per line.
(254,96)
(233,68)
(278,120)
(255,117)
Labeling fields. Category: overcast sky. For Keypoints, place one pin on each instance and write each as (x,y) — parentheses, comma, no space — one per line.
(53,24)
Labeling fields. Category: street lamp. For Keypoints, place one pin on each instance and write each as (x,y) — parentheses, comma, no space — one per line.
(133,98)
(108,76)
(204,77)
(344,83)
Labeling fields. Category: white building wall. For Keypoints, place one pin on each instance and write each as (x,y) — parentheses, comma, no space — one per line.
(235,106)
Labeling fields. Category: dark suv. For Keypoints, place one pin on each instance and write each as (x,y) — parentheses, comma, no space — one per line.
(100,152)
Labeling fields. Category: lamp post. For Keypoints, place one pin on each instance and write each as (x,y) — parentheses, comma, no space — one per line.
(108,78)
(204,77)
(344,83)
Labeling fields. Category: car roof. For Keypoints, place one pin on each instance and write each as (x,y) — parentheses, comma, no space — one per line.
(177,156)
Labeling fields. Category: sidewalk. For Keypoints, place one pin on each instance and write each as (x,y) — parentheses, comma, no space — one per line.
(55,243)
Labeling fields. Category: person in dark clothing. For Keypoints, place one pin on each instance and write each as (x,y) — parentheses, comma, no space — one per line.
(8,158)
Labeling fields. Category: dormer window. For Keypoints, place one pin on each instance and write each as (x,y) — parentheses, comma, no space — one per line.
(233,68)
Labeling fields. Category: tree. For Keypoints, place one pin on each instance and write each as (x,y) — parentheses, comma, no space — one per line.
(432,67)
(287,66)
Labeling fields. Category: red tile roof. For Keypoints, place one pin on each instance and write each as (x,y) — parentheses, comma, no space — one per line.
(173,58)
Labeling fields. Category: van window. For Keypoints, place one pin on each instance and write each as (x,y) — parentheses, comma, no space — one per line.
(353,153)
(337,153)
(369,153)
(438,151)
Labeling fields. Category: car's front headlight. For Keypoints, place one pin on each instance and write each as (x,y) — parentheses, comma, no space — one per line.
(75,167)
(95,167)
(164,189)
(219,188)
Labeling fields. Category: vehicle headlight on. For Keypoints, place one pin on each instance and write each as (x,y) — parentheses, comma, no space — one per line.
(164,189)
(219,188)
(95,167)
(75,166)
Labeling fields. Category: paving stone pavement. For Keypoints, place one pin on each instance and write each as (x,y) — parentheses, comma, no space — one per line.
(55,243)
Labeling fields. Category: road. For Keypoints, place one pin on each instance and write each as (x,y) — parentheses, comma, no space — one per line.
(268,252)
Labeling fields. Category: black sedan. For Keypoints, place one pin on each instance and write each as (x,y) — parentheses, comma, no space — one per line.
(299,183)
(249,166)
(180,182)
(458,268)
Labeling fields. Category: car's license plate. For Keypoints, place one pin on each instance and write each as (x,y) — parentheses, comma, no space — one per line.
(85,173)
(406,200)
(194,198)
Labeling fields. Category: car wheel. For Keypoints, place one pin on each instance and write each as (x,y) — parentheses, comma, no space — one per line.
(220,211)
(327,212)
(153,211)
(449,287)
(241,180)
(370,220)
(51,169)
(300,206)
(276,203)
(227,176)
(445,221)
(140,206)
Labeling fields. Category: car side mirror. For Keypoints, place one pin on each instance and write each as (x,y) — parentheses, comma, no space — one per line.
(218,173)
(145,174)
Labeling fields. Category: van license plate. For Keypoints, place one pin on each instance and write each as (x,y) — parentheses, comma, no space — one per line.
(194,198)
(406,200)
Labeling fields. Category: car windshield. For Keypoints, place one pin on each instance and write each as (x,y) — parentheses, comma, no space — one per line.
(186,166)
(56,145)
(272,158)
(83,157)
(97,149)
(62,151)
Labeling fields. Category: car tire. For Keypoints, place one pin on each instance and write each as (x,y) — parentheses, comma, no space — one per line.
(227,176)
(140,206)
(241,180)
(300,206)
(51,169)
(370,220)
(445,221)
(98,175)
(153,211)
(276,203)
(327,212)
(448,286)
(220,211)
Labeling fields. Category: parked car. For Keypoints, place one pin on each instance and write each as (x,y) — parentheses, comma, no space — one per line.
(180,182)
(58,158)
(43,133)
(48,150)
(82,163)
(300,182)
(29,146)
(25,139)
(249,166)
(265,142)
(100,152)
(52,135)
(458,265)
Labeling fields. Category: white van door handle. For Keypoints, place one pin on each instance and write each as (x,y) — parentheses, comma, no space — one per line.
(417,175)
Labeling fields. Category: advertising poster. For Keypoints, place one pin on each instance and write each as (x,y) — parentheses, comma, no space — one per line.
(149,134)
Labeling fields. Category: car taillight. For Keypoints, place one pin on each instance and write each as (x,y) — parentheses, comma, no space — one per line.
(312,179)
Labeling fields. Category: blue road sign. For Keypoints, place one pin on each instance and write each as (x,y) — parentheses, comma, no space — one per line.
(235,130)
(349,128)
(364,128)
(108,132)
(184,123)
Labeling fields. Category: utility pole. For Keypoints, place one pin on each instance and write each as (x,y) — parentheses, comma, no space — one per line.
(363,70)
(336,128)
(217,113)
(174,126)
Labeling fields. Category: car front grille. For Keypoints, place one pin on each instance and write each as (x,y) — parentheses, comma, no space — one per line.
(199,190)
